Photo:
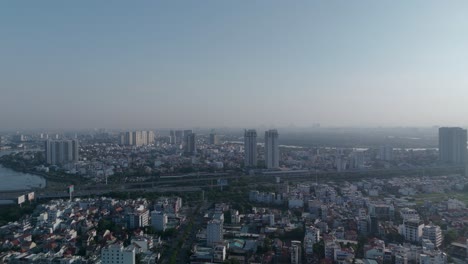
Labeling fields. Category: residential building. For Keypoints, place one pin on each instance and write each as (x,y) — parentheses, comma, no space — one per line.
(386,153)
(138,219)
(117,254)
(412,230)
(271,149)
(214,232)
(190,142)
(159,220)
(58,152)
(433,233)
(250,148)
(214,139)
(452,145)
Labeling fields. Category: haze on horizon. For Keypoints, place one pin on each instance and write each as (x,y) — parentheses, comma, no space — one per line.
(124,64)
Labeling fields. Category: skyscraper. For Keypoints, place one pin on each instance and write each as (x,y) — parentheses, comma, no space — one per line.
(179,135)
(271,149)
(452,145)
(172,138)
(250,148)
(190,142)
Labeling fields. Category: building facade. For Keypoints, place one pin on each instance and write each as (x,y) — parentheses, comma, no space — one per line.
(214,232)
(452,145)
(250,148)
(58,152)
(271,149)
(117,254)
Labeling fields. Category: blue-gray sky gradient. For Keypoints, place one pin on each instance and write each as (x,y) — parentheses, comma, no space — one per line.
(130,64)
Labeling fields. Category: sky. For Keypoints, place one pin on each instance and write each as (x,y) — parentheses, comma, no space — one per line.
(170,64)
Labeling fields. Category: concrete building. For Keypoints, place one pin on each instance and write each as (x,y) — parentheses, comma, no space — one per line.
(311,237)
(172,138)
(214,139)
(271,149)
(250,148)
(190,142)
(214,232)
(296,254)
(412,230)
(117,254)
(433,233)
(59,152)
(179,136)
(137,138)
(386,153)
(138,219)
(159,220)
(452,145)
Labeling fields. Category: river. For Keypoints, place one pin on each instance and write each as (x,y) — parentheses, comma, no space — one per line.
(11,180)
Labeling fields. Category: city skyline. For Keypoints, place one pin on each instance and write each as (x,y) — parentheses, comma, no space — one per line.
(235,64)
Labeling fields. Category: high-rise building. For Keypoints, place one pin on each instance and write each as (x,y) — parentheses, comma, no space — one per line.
(250,148)
(271,149)
(190,142)
(214,232)
(386,153)
(214,139)
(172,137)
(452,145)
(117,254)
(149,137)
(59,152)
(179,136)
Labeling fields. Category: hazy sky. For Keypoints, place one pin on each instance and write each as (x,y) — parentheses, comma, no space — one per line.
(124,64)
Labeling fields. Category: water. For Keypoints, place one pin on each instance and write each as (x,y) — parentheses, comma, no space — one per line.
(11,180)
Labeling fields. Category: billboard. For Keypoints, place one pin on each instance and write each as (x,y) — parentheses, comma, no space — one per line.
(30,196)
(222,182)
(21,199)
(71,188)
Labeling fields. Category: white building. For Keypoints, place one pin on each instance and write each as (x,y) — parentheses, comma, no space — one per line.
(433,233)
(433,257)
(139,218)
(219,253)
(137,138)
(117,254)
(214,232)
(271,149)
(412,230)
(250,148)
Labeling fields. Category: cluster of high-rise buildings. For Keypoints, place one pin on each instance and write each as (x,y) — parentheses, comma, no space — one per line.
(59,152)
(271,148)
(188,139)
(137,138)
